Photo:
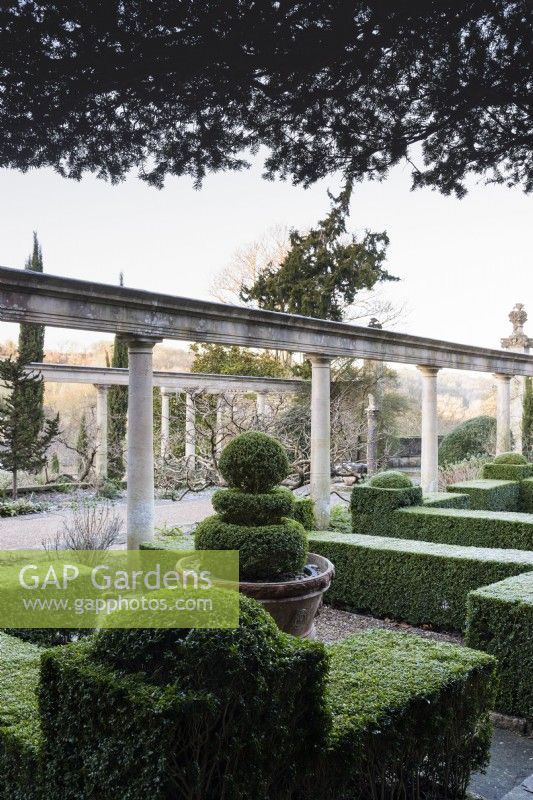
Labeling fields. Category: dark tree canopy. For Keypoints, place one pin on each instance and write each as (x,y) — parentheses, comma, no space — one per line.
(174,87)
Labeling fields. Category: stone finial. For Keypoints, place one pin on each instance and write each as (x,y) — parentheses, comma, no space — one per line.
(518,318)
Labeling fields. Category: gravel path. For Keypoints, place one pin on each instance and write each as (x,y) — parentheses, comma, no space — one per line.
(28,532)
(332,625)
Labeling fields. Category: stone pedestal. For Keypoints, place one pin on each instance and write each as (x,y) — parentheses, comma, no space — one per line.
(320,439)
(372,418)
(261,404)
(219,429)
(190,430)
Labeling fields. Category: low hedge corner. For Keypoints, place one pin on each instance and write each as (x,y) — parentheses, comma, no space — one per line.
(500,622)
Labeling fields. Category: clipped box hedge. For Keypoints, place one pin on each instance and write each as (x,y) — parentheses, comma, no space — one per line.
(507,472)
(500,621)
(490,495)
(419,582)
(171,714)
(367,499)
(497,529)
(304,512)
(446,500)
(526,496)
(20,732)
(370,505)
(410,717)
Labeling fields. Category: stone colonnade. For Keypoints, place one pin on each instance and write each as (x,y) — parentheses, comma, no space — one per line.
(144,318)
(140,433)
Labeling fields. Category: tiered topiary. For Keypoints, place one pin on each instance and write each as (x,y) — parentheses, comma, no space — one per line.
(253,516)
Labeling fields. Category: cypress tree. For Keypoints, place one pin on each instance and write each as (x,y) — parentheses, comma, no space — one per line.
(23,444)
(527,420)
(31,348)
(117,406)
(118,413)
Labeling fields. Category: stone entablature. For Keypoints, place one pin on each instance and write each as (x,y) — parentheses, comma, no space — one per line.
(179,381)
(64,302)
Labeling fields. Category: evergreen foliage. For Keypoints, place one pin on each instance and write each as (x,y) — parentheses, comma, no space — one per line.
(390,480)
(117,404)
(254,462)
(419,582)
(500,622)
(500,494)
(220,360)
(24,440)
(510,458)
(31,348)
(254,516)
(475,437)
(527,420)
(324,269)
(186,88)
(82,445)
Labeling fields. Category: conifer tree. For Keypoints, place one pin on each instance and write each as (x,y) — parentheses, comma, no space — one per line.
(24,440)
(31,348)
(527,420)
(324,269)
(117,400)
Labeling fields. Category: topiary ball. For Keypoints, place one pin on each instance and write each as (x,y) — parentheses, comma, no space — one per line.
(254,462)
(390,480)
(510,458)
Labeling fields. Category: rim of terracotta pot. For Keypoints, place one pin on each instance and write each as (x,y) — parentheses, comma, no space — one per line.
(290,588)
(295,586)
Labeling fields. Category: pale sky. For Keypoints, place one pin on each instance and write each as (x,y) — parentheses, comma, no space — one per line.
(463,263)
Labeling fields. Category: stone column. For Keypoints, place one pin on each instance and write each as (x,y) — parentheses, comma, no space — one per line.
(101,432)
(429,475)
(140,442)
(518,342)
(219,430)
(372,418)
(503,413)
(320,439)
(165,420)
(261,404)
(190,430)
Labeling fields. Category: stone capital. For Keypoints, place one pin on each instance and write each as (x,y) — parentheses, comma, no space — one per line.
(318,360)
(140,344)
(502,376)
(428,372)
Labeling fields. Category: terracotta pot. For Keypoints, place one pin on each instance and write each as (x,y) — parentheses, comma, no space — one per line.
(294,604)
